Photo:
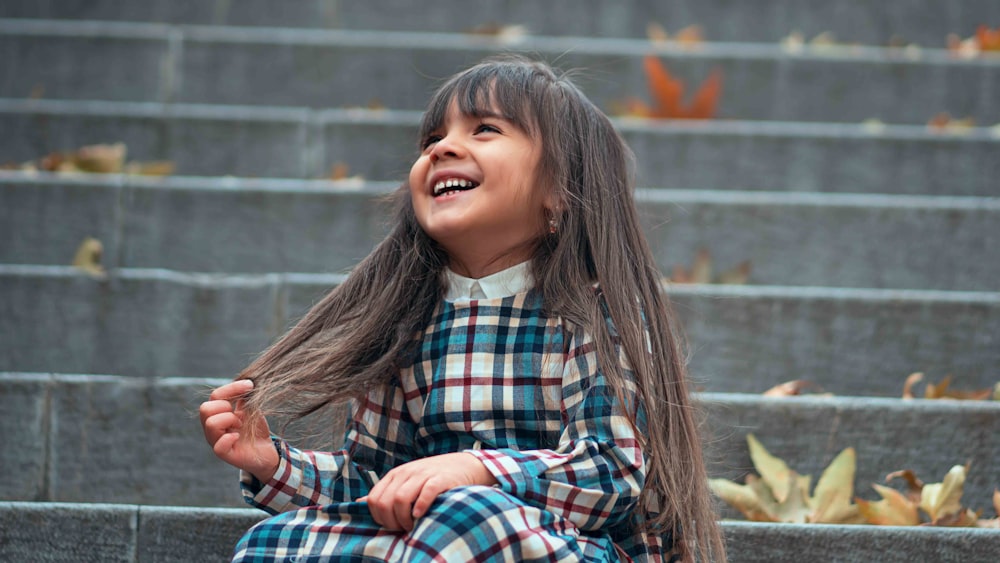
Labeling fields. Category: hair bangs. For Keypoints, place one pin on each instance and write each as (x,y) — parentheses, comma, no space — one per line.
(503,88)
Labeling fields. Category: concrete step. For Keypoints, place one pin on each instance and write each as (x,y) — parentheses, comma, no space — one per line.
(226,65)
(861,21)
(133,440)
(214,140)
(136,533)
(262,226)
(156,323)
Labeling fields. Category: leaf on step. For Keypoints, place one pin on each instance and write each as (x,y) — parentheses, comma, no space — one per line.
(667,93)
(701,271)
(989,39)
(340,173)
(153,168)
(945,123)
(993,522)
(88,257)
(782,495)
(895,509)
(504,33)
(943,499)
(831,500)
(736,276)
(914,484)
(688,37)
(794,43)
(792,388)
(100,159)
(773,470)
(943,391)
(741,497)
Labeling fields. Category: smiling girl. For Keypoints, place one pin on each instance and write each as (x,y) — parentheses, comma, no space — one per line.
(516,382)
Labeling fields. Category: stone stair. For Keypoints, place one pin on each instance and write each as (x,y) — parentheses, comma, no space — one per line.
(873,243)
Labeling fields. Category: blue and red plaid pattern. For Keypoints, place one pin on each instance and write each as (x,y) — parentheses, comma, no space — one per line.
(520,390)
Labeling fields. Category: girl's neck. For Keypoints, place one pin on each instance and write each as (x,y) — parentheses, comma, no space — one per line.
(479,267)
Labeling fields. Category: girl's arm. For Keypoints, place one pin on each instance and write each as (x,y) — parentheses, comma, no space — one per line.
(378,438)
(595,475)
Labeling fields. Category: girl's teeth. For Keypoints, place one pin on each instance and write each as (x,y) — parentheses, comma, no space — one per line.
(452,183)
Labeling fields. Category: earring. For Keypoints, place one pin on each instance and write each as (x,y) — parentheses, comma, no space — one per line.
(552,226)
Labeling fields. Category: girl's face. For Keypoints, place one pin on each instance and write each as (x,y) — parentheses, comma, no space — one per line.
(474,192)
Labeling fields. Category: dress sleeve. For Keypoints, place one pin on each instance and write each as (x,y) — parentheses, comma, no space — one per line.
(595,475)
(379,437)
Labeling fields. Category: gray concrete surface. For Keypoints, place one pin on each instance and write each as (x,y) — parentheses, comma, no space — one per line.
(167,534)
(357,68)
(155,323)
(223,226)
(849,20)
(380,145)
(131,440)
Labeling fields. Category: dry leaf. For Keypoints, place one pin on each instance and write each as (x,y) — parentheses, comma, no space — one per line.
(894,509)
(100,159)
(945,498)
(742,498)
(789,388)
(994,522)
(794,43)
(773,470)
(153,168)
(914,484)
(668,93)
(701,271)
(88,257)
(782,495)
(989,40)
(505,33)
(942,390)
(945,123)
(656,33)
(831,500)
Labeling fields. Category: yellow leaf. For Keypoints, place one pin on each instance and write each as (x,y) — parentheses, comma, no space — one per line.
(795,508)
(153,168)
(88,257)
(772,470)
(944,499)
(740,497)
(101,159)
(893,510)
(831,500)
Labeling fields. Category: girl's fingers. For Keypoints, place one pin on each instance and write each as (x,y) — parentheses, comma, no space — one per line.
(224,445)
(211,408)
(220,425)
(232,390)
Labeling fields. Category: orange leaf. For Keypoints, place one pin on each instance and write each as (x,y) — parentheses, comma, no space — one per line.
(988,39)
(706,98)
(893,510)
(914,485)
(665,89)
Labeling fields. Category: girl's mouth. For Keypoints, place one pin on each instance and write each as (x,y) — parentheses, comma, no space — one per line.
(450,185)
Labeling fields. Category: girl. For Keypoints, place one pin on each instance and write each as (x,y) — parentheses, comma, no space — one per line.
(517,388)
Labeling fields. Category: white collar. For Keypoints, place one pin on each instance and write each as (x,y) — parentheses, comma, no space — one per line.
(513,280)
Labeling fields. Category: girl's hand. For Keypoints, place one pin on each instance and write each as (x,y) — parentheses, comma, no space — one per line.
(406,492)
(222,418)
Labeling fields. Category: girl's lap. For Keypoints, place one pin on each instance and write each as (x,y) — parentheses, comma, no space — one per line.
(465,524)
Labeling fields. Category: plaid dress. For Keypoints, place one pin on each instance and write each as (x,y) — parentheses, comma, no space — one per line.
(521,391)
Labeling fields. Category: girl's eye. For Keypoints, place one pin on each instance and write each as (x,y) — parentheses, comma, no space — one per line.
(487,128)
(429,140)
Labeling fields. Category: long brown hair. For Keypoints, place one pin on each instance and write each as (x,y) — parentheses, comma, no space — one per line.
(363,331)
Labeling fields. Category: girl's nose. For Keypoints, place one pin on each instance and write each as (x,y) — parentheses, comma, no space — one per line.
(447,147)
